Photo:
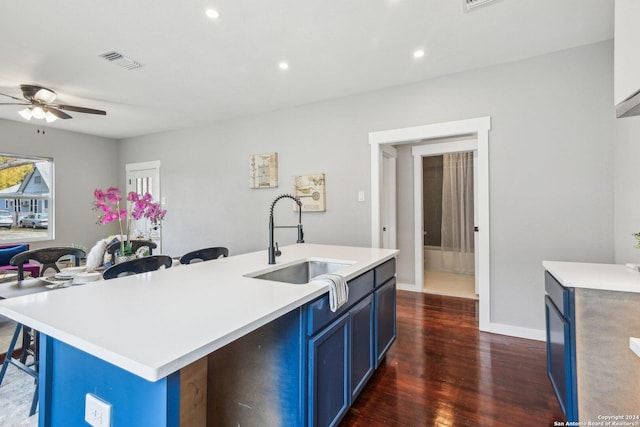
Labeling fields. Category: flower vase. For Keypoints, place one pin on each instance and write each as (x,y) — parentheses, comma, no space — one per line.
(124,258)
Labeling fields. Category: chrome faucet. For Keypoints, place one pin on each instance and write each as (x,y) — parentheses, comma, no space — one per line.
(273,250)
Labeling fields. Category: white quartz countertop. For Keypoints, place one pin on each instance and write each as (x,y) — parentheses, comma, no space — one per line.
(605,277)
(634,345)
(154,324)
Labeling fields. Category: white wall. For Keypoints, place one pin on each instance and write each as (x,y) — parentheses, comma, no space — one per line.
(551,163)
(82,163)
(551,170)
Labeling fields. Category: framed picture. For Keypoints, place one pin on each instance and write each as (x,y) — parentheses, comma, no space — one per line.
(263,170)
(310,189)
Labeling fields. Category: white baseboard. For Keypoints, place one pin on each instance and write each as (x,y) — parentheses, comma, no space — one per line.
(517,331)
(407,287)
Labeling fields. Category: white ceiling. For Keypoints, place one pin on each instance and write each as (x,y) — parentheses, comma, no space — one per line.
(196,71)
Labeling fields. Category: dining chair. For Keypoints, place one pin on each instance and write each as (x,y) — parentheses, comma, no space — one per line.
(48,257)
(137,266)
(112,248)
(205,254)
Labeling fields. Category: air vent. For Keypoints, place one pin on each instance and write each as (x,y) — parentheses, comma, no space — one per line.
(470,4)
(120,60)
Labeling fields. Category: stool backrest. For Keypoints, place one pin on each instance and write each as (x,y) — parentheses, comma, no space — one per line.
(48,257)
(137,266)
(205,254)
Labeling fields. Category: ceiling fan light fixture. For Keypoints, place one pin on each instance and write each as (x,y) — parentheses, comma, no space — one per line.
(50,117)
(38,112)
(26,113)
(45,95)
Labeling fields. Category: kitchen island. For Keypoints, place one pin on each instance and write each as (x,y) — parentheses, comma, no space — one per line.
(592,311)
(207,344)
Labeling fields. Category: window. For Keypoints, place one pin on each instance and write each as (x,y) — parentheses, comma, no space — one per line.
(26,195)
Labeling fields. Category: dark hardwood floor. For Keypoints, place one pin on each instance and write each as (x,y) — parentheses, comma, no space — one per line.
(443,372)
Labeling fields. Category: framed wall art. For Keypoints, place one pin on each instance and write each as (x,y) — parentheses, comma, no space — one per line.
(263,170)
(310,189)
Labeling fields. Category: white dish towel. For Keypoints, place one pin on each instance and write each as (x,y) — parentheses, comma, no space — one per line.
(338,289)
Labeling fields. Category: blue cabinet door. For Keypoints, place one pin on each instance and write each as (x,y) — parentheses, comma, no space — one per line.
(385,318)
(362,353)
(329,374)
(561,360)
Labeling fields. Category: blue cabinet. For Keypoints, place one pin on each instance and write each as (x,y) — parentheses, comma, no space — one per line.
(361,341)
(341,360)
(345,347)
(561,345)
(385,318)
(329,373)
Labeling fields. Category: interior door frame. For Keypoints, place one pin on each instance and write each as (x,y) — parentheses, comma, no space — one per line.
(480,128)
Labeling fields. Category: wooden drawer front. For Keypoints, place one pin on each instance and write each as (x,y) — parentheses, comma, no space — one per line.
(560,295)
(319,314)
(385,271)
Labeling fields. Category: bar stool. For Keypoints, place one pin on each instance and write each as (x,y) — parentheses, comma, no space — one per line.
(30,337)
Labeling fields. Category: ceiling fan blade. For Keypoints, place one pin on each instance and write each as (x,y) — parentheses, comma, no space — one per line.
(12,97)
(59,114)
(81,109)
(14,103)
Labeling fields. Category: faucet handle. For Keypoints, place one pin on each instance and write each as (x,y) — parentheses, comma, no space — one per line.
(278,252)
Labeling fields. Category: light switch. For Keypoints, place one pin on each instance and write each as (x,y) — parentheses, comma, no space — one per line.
(97,412)
(361,196)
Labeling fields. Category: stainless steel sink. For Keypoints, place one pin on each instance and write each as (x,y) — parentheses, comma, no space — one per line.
(301,272)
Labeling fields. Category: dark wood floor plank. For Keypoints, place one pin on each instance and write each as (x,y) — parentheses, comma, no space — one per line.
(443,372)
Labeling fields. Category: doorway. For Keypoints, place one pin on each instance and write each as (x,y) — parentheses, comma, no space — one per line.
(478,130)
(449,220)
(144,178)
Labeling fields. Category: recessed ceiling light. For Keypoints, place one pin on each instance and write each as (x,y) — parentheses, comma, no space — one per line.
(283,65)
(418,53)
(212,13)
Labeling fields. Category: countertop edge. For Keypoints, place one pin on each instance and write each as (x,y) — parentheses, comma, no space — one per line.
(595,276)
(634,345)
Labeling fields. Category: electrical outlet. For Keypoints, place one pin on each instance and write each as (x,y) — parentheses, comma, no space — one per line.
(97,412)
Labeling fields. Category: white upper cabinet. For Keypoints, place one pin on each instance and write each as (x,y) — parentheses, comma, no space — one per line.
(627,49)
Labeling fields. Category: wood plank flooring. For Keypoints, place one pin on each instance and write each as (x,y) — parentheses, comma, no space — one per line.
(443,372)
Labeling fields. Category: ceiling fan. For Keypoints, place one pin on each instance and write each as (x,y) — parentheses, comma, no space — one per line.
(39,103)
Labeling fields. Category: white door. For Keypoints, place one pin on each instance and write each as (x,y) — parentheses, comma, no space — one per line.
(145,178)
(388,202)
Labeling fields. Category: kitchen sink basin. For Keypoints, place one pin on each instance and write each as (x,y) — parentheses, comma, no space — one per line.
(301,272)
